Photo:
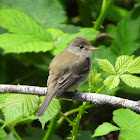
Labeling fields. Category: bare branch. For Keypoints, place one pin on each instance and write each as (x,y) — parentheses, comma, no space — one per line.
(102,35)
(79,96)
(23,89)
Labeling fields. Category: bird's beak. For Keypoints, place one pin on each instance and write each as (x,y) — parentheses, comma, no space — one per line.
(93,48)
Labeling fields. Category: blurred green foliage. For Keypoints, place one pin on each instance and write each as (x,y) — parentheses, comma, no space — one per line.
(127,120)
(33,32)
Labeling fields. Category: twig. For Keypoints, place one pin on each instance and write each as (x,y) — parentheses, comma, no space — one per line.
(79,96)
(71,112)
(51,129)
(102,35)
(77,122)
(15,133)
(66,118)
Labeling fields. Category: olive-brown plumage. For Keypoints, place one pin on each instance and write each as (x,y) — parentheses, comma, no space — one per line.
(68,70)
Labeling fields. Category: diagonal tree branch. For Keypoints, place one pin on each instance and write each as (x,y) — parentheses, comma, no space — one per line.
(79,96)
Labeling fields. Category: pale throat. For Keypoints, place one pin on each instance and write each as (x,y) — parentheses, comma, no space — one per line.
(87,54)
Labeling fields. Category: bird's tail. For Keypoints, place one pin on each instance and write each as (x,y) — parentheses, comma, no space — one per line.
(45,104)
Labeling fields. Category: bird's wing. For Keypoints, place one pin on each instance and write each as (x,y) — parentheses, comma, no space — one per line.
(72,75)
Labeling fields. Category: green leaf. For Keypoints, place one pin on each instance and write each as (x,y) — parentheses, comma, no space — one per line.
(11,136)
(33,133)
(104,129)
(88,33)
(130,90)
(134,67)
(122,63)
(28,120)
(3,134)
(28,35)
(110,92)
(1,121)
(94,79)
(129,123)
(106,66)
(18,22)
(131,80)
(67,28)
(112,81)
(85,135)
(127,39)
(43,11)
(55,33)
(111,29)
(18,43)
(108,54)
(51,111)
(16,107)
(2,97)
(116,13)
(61,43)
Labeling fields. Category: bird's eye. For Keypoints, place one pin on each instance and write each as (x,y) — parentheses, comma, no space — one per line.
(81,46)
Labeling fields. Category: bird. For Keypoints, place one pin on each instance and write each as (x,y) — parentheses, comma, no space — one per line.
(68,70)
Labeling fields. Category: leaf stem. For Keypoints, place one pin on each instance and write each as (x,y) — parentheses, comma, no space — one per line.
(59,122)
(77,122)
(70,122)
(100,89)
(103,5)
(50,129)
(105,8)
(79,116)
(15,133)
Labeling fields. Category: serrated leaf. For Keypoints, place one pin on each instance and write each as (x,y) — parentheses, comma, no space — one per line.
(131,80)
(106,66)
(19,43)
(112,81)
(29,119)
(104,129)
(43,11)
(55,33)
(134,67)
(18,22)
(28,35)
(15,107)
(2,97)
(122,63)
(94,79)
(88,33)
(51,111)
(97,78)
(127,38)
(129,122)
